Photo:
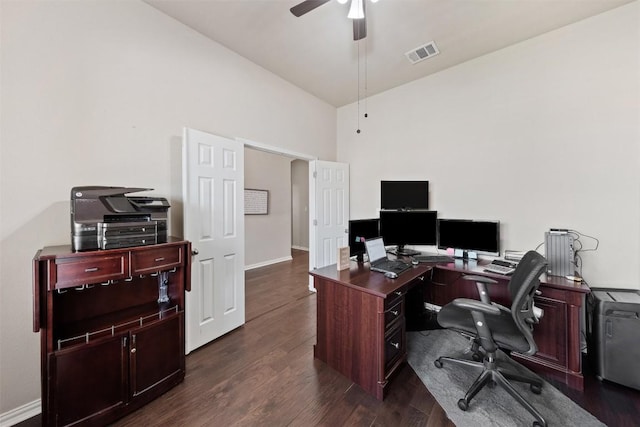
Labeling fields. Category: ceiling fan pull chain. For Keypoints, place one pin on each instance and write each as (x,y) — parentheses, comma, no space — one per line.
(358,115)
(366,78)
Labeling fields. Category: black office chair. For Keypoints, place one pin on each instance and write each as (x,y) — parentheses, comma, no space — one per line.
(491,326)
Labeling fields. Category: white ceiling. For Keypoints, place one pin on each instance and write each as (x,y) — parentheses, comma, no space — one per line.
(316,51)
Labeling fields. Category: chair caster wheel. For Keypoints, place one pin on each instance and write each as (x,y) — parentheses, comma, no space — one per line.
(536,389)
(438,363)
(539,424)
(462,404)
(477,356)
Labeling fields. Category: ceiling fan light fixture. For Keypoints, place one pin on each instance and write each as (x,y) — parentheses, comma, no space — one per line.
(343,1)
(356,11)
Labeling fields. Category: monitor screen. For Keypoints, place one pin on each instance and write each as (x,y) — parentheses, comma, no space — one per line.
(404,194)
(408,227)
(469,235)
(359,231)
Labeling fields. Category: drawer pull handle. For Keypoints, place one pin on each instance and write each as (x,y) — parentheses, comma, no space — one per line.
(395,344)
(91,270)
(398,292)
(159,259)
(394,312)
(133,350)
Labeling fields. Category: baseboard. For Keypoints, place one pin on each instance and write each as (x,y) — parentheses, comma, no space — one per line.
(265,263)
(300,248)
(21,413)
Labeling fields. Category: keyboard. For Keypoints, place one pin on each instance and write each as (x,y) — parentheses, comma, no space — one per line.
(500,267)
(433,258)
(390,265)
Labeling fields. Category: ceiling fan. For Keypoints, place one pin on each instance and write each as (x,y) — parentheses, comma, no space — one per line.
(356,13)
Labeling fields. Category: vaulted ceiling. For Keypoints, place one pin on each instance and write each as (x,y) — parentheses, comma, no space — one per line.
(317,53)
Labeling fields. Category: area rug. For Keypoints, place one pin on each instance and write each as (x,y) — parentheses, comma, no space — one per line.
(491,406)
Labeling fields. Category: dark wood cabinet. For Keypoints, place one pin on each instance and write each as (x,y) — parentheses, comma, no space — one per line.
(112,328)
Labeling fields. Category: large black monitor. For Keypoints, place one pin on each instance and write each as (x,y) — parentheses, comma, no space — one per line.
(359,231)
(469,235)
(408,228)
(404,194)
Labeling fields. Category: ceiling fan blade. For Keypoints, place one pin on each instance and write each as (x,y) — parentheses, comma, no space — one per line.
(307,6)
(359,29)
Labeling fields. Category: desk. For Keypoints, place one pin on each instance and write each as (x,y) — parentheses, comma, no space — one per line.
(361,328)
(361,323)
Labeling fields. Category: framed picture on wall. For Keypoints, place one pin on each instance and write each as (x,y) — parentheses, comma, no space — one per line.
(256,202)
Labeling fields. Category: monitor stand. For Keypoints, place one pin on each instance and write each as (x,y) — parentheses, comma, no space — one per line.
(402,251)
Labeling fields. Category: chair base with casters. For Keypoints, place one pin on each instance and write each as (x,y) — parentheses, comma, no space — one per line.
(493,373)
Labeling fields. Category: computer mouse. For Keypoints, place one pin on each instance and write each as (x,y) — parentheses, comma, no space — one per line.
(415,262)
(391,275)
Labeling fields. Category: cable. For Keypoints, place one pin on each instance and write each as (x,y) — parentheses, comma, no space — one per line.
(579,234)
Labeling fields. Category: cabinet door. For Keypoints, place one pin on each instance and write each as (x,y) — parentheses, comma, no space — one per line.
(157,354)
(550,334)
(87,380)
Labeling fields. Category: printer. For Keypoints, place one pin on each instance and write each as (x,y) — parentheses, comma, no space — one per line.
(106,218)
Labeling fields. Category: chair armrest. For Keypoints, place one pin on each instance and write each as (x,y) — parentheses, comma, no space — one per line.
(475,305)
(481,284)
(481,279)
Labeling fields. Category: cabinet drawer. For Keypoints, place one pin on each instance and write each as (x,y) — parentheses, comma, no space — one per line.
(79,271)
(394,348)
(392,314)
(155,259)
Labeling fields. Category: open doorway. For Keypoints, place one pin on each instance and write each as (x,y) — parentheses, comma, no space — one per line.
(300,205)
(271,238)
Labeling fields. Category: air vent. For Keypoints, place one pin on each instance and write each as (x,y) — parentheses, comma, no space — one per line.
(423,52)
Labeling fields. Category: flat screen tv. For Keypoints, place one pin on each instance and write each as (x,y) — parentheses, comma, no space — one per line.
(408,228)
(359,231)
(404,195)
(469,235)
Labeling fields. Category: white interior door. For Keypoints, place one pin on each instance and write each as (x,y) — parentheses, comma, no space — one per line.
(213,194)
(329,207)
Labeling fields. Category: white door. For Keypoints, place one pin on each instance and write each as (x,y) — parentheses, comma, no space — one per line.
(213,195)
(329,206)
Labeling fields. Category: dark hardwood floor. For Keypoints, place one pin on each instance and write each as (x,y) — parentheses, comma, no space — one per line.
(264,374)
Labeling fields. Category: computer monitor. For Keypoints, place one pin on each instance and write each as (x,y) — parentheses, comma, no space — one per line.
(359,231)
(469,236)
(404,194)
(408,228)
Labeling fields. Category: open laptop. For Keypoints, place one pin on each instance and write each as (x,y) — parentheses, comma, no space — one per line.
(378,258)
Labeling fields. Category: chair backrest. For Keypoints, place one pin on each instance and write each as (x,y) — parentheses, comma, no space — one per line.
(522,287)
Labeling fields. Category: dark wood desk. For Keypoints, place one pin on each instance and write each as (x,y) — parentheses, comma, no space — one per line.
(361,329)
(361,322)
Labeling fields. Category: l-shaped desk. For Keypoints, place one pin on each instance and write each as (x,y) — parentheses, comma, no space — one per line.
(361,328)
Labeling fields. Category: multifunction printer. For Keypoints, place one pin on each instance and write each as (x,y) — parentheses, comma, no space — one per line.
(106,218)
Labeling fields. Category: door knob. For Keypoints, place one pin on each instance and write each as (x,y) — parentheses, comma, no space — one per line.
(194,252)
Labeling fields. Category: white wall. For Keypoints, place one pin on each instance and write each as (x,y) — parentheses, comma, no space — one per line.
(97,93)
(542,134)
(268,237)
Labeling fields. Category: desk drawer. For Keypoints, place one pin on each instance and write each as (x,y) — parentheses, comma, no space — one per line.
(394,348)
(79,271)
(151,260)
(393,314)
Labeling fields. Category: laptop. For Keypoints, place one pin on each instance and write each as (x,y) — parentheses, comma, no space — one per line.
(378,258)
